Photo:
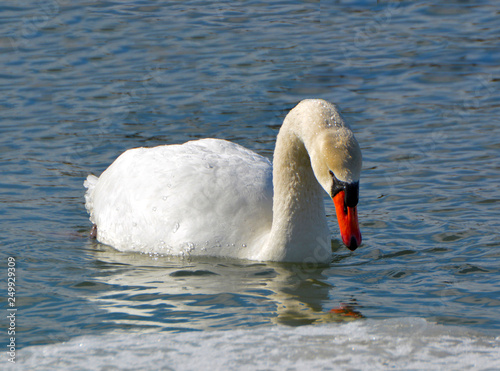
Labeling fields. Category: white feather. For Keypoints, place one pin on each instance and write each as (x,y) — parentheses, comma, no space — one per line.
(215,198)
(183,199)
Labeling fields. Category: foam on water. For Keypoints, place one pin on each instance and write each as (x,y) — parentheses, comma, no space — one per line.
(411,343)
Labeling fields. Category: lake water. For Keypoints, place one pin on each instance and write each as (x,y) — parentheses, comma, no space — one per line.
(418,82)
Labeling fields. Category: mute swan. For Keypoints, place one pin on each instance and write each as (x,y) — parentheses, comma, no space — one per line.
(211,197)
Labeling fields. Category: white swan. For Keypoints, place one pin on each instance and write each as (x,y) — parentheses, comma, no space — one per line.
(215,198)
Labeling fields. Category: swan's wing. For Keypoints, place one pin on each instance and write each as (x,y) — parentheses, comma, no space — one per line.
(205,197)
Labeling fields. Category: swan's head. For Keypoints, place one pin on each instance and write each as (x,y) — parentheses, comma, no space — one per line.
(336,161)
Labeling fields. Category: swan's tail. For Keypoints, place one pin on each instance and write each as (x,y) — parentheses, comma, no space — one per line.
(90,184)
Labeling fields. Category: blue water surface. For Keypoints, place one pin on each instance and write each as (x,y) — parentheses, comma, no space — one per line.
(419,83)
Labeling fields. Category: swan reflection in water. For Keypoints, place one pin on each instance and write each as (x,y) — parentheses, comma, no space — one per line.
(169,293)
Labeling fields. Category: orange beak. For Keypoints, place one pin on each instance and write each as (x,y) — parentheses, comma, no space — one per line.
(348,222)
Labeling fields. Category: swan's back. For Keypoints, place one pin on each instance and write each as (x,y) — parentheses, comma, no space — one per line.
(207,197)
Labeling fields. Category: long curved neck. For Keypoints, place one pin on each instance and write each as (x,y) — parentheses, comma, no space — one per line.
(299,230)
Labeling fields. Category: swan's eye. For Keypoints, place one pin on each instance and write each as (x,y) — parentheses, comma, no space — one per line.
(337,185)
(351,190)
